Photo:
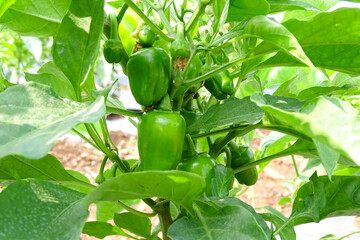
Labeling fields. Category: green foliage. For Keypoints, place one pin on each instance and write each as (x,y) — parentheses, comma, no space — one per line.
(298,78)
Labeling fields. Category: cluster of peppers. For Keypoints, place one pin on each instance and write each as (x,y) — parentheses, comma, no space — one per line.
(161,131)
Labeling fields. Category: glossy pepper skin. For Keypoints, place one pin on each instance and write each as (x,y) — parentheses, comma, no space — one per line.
(194,68)
(160,140)
(241,155)
(113,48)
(149,72)
(202,165)
(146,36)
(220,85)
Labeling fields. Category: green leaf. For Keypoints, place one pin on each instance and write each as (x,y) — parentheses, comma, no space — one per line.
(33,17)
(289,5)
(49,74)
(231,111)
(242,9)
(77,42)
(46,168)
(304,79)
(275,36)
(222,180)
(330,40)
(36,209)
(329,121)
(138,225)
(33,118)
(177,186)
(231,219)
(321,198)
(102,230)
(105,210)
(287,233)
(4,5)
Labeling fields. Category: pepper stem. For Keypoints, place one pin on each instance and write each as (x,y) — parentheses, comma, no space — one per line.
(180,30)
(114,26)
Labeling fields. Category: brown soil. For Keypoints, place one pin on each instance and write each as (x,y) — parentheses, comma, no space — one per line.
(82,157)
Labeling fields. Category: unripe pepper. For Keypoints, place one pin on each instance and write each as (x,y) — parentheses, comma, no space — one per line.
(241,155)
(113,48)
(220,85)
(149,72)
(202,165)
(180,48)
(160,140)
(146,36)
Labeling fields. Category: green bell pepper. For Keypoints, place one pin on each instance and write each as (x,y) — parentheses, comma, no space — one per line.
(241,155)
(221,85)
(113,48)
(147,37)
(202,165)
(160,140)
(180,48)
(149,72)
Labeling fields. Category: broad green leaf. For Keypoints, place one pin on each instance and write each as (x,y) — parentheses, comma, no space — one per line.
(321,198)
(330,40)
(177,186)
(33,117)
(46,168)
(4,5)
(330,121)
(103,229)
(34,17)
(231,111)
(314,92)
(231,219)
(275,36)
(105,210)
(222,180)
(77,42)
(304,79)
(36,209)
(323,5)
(248,87)
(288,233)
(49,74)
(243,9)
(289,5)
(138,225)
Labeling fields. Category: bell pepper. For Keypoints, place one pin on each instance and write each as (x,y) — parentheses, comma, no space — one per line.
(113,48)
(202,165)
(194,68)
(160,140)
(146,36)
(241,155)
(220,85)
(149,72)
(180,48)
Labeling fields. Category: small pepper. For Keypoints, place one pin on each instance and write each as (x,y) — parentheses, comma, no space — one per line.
(113,48)
(149,72)
(180,48)
(146,36)
(160,140)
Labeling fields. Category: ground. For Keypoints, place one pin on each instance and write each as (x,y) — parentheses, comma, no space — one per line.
(78,155)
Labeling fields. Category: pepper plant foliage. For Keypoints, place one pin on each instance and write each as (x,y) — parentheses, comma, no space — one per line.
(223,69)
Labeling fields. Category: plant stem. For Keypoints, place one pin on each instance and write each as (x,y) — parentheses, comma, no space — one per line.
(231,135)
(206,134)
(136,212)
(122,12)
(294,163)
(85,138)
(220,69)
(190,144)
(143,16)
(194,18)
(112,156)
(123,112)
(165,219)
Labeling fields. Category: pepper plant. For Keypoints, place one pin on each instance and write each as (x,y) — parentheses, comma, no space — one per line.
(207,73)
